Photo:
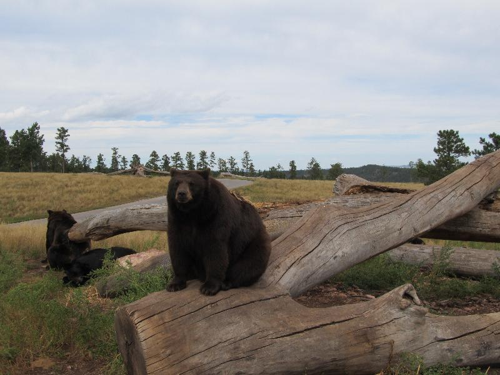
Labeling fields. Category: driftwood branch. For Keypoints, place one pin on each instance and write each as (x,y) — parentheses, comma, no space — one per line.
(262,330)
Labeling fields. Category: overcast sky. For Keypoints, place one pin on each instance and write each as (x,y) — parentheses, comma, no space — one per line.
(356,82)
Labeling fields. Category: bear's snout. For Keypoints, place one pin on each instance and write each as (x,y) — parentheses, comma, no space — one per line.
(183,194)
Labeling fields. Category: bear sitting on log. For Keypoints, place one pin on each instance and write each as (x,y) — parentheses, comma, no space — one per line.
(213,236)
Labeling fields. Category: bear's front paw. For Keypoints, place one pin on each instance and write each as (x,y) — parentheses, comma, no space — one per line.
(176,285)
(211,287)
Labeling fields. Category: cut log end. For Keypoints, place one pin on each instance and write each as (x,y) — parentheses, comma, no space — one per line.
(129,343)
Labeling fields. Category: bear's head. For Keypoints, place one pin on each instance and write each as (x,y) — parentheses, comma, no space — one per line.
(76,274)
(58,221)
(61,217)
(187,189)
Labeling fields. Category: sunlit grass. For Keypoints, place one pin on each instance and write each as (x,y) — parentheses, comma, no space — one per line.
(299,191)
(282,191)
(25,196)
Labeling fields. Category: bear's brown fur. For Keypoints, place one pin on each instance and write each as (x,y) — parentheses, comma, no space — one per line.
(212,235)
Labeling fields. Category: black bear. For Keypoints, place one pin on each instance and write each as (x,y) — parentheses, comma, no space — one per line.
(60,250)
(77,272)
(213,235)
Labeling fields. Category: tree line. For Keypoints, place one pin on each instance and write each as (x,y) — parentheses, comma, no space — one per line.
(24,153)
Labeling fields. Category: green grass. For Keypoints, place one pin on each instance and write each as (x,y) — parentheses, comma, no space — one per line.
(412,364)
(42,318)
(46,319)
(382,274)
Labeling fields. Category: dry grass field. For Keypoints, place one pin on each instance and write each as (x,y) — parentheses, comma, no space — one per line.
(26,196)
(298,191)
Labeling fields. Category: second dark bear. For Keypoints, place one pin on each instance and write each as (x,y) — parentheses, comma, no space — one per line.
(78,271)
(213,236)
(60,250)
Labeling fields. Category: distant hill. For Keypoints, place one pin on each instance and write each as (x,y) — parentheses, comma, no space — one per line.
(376,173)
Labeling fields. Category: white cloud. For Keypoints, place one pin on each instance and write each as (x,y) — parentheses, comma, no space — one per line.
(209,74)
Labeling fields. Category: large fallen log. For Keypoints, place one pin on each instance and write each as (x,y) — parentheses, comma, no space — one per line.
(460,261)
(476,225)
(262,330)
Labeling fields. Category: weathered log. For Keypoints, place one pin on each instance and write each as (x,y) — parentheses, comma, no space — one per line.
(262,330)
(114,222)
(347,184)
(139,171)
(460,261)
(476,225)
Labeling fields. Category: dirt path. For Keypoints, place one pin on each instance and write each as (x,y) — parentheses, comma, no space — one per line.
(80,216)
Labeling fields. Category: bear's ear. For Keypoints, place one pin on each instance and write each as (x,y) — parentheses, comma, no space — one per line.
(172,172)
(50,212)
(205,173)
(65,211)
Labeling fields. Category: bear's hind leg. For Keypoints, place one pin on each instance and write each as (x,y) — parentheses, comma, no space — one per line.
(250,265)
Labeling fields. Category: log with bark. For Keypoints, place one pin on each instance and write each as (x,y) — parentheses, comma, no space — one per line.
(476,225)
(262,330)
(460,261)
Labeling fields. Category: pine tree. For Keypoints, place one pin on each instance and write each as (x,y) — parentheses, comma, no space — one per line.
(222,165)
(17,151)
(165,163)
(203,162)
(315,172)
(34,147)
(62,144)
(233,165)
(190,161)
(4,151)
(100,164)
(177,161)
(213,161)
(123,163)
(135,162)
(335,171)
(153,161)
(450,147)
(54,162)
(251,169)
(74,165)
(293,170)
(488,147)
(115,159)
(86,161)
(245,161)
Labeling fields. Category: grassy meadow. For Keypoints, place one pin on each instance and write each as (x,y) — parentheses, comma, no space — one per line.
(27,196)
(43,322)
